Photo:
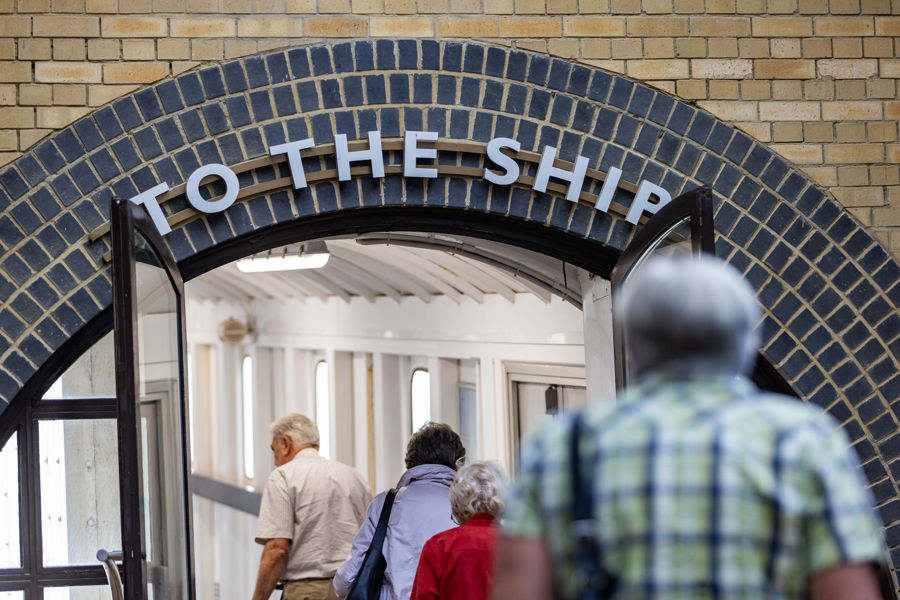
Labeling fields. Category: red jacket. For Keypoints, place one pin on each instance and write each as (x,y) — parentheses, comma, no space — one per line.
(457,563)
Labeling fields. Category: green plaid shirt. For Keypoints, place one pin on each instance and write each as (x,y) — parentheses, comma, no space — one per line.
(702,489)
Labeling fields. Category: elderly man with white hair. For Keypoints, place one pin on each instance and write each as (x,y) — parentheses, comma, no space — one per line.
(311,510)
(693,483)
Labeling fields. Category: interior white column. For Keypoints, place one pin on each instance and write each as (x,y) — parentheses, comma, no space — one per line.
(340,399)
(599,363)
(362,415)
(390,432)
(444,391)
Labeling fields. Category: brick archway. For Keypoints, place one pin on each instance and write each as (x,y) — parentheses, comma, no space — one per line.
(830,291)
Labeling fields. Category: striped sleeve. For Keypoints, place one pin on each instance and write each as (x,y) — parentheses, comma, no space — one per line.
(276,512)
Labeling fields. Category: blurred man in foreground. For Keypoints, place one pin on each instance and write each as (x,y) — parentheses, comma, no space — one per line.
(697,484)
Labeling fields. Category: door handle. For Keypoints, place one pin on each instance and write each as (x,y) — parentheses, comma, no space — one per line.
(108,559)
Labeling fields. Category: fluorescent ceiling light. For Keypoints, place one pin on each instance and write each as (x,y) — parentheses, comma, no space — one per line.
(313,255)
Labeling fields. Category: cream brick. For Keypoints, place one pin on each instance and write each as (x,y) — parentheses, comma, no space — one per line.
(531,27)
(140,27)
(801,154)
(616,66)
(847,69)
(721,68)
(534,7)
(882,131)
(843,26)
(198,6)
(851,175)
(596,48)
(689,47)
(15,26)
(884,175)
(657,69)
(67,72)
(877,47)
(69,49)
(756,130)
(98,95)
(138,49)
(789,111)
(864,216)
(103,49)
(784,69)
(8,94)
(813,7)
(845,7)
(875,7)
(9,140)
(308,7)
(886,216)
(787,131)
(68,26)
(362,7)
(691,89)
(858,196)
(100,6)
(533,45)
(8,157)
(134,72)
(30,137)
(7,49)
(32,6)
(666,86)
(183,66)
(434,6)
(659,48)
(818,89)
(241,7)
(336,27)
(752,89)
(750,7)
(720,26)
(658,26)
(473,27)
(57,117)
(847,48)
(782,7)
(403,26)
(723,48)
(17,116)
(854,153)
(690,7)
(474,6)
(850,89)
(852,111)
(657,7)
(815,48)
(731,111)
(781,26)
(720,6)
(624,7)
(173,49)
(500,7)
(594,26)
(887,26)
(824,176)
(565,48)
(782,48)
(194,27)
(205,49)
(12,72)
(67,6)
(35,49)
(35,95)
(787,90)
(753,48)
(238,48)
(849,133)
(889,68)
(69,94)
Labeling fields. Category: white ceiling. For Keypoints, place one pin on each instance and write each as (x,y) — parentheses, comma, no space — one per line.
(398,265)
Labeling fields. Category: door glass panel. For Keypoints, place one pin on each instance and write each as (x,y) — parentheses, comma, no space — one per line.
(162,425)
(83,592)
(537,402)
(10,557)
(17,595)
(675,241)
(91,376)
(79,489)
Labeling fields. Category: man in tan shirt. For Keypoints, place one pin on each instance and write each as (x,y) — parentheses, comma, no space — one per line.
(311,510)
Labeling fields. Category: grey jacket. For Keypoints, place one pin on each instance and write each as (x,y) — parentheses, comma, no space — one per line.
(421,509)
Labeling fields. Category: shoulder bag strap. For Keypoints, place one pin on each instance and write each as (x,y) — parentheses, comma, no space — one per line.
(381,528)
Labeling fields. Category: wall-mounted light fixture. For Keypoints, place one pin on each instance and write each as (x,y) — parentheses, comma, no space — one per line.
(311,255)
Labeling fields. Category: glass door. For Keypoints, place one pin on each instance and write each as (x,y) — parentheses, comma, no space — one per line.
(154,463)
(683,227)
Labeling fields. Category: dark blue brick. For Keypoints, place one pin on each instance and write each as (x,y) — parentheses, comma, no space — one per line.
(124,188)
(187,161)
(727,179)
(470,92)
(701,127)
(50,333)
(538,69)
(831,261)
(84,304)
(562,109)
(875,311)
(779,257)
(612,157)
(452,58)
(84,177)
(198,234)
(13,183)
(322,132)
(646,140)
(344,122)
(738,147)
(516,65)
(220,228)
(515,99)
(527,135)
(192,125)
(262,105)
(375,89)
(708,168)
(52,241)
(168,94)
(412,119)
(41,291)
(519,202)
(743,230)
(559,74)
(167,171)
(688,158)
(505,127)
(725,217)
(719,138)
(215,118)
(10,235)
(399,84)
(390,122)
(50,157)
(437,120)
(25,307)
(787,307)
(31,169)
(781,218)
(761,244)
(191,89)
(845,227)
(253,143)
(126,155)
(474,59)
(459,124)
(278,68)
(62,279)
(495,62)
(606,122)
(88,133)
(235,79)
(34,350)
(827,213)
(757,159)
(170,134)
(887,275)
(846,277)
(365,55)
(65,189)
(331,93)
(321,60)
(308,94)
(584,116)
(384,50)
(626,130)
(422,89)
(212,82)
(255,67)
(70,228)
(11,324)
(446,90)
(681,117)
(621,92)
(792,186)
(299,63)
(774,173)
(238,112)
(127,112)
(549,137)
(661,108)
(148,104)
(27,219)
(668,147)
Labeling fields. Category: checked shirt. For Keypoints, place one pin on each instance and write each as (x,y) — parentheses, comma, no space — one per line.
(702,489)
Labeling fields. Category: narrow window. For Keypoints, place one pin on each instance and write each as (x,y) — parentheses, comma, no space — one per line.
(323,414)
(420,397)
(247,403)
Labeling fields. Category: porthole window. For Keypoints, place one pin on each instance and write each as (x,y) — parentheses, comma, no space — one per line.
(420,398)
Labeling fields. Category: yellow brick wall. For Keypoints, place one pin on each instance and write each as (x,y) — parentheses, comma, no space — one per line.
(814,79)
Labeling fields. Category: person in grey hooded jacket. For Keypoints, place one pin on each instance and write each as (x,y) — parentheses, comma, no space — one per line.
(421,509)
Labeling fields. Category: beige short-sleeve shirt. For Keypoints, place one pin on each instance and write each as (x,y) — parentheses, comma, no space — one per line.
(319,505)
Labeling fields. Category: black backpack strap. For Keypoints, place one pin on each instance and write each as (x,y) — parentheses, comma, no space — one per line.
(381,528)
(595,580)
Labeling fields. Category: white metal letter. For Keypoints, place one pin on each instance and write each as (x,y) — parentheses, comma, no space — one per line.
(148,199)
(345,157)
(503,161)
(411,153)
(231,188)
(546,170)
(609,189)
(292,149)
(642,203)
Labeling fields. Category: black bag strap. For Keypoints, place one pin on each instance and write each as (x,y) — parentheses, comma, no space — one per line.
(596,581)
(381,528)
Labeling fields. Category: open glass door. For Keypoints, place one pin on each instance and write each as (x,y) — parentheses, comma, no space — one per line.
(682,227)
(154,456)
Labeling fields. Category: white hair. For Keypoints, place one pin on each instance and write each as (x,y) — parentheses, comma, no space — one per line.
(688,317)
(299,428)
(477,488)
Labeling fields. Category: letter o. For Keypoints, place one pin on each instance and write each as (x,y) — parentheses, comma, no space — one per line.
(232,185)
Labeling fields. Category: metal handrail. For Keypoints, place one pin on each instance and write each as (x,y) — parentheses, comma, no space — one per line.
(112,572)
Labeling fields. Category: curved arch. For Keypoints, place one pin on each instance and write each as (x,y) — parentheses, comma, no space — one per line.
(830,291)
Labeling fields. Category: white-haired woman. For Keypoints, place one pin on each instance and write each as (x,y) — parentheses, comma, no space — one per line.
(457,563)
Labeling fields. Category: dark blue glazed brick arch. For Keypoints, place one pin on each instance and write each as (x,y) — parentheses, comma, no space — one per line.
(830,291)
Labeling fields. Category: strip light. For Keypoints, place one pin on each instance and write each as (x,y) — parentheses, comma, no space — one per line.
(311,256)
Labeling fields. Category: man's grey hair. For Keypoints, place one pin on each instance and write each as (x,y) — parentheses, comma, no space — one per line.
(688,317)
(299,428)
(478,488)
